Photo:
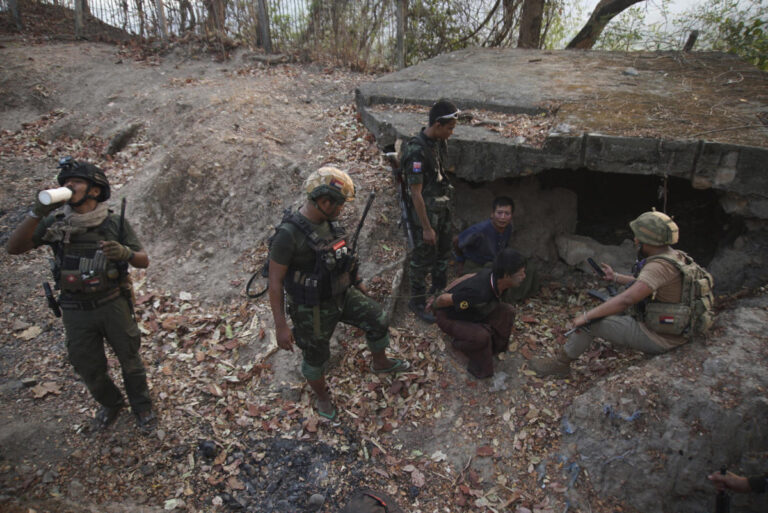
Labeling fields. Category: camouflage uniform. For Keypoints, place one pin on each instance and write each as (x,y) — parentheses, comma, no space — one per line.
(313,325)
(423,163)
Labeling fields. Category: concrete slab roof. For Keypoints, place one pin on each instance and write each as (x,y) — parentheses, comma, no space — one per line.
(699,116)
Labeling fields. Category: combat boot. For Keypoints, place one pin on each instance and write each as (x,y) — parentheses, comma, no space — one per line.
(557,367)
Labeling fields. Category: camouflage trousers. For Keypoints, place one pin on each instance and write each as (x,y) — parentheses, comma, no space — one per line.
(426,258)
(86,332)
(314,325)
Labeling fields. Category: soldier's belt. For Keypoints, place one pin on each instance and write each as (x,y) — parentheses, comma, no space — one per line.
(88,304)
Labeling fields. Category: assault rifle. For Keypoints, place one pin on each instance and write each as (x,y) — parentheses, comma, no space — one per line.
(402,197)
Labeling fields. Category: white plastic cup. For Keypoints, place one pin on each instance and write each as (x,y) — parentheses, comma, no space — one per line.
(50,196)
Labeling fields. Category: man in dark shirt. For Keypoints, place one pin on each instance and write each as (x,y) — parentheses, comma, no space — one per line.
(470,311)
(477,246)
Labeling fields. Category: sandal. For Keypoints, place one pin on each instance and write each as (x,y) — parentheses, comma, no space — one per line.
(329,416)
(399,366)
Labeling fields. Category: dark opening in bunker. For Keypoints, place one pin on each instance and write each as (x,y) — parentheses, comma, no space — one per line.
(608,201)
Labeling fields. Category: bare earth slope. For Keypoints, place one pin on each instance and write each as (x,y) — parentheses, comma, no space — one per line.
(221,149)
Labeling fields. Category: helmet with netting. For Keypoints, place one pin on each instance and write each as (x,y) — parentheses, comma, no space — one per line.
(71,168)
(330,181)
(655,228)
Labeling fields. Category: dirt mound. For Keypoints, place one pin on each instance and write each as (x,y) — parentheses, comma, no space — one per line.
(45,21)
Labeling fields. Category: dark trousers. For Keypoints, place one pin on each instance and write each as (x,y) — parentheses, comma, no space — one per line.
(479,341)
(86,332)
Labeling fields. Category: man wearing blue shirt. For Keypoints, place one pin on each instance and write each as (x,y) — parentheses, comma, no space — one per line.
(476,247)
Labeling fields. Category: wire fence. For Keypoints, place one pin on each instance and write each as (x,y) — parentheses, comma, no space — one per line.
(359,33)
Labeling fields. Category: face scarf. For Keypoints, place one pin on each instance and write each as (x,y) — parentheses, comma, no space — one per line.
(74,223)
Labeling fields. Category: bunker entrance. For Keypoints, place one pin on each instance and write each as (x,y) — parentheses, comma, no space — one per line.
(608,201)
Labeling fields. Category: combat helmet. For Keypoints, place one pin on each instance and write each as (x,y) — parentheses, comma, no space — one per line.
(70,168)
(332,182)
(655,228)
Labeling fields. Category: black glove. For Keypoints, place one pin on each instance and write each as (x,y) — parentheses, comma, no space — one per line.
(41,210)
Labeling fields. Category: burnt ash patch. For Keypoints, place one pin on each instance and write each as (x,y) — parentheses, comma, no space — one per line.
(280,474)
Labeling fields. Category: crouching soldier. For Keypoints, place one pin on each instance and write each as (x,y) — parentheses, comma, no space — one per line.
(670,297)
(471,313)
(92,248)
(310,260)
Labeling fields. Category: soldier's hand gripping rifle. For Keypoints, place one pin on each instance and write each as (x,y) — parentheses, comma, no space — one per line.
(402,197)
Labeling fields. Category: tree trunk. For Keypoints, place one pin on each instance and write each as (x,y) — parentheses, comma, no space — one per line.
(401,8)
(78,19)
(13,6)
(264,33)
(161,20)
(603,13)
(530,24)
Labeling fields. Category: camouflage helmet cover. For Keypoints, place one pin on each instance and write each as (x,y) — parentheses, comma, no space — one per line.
(73,169)
(330,181)
(655,228)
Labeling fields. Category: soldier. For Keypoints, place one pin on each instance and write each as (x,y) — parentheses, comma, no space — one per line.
(671,297)
(309,258)
(92,248)
(424,166)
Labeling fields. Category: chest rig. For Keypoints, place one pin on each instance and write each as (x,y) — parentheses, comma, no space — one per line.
(80,266)
(694,314)
(334,262)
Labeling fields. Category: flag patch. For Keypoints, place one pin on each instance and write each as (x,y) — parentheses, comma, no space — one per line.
(666,319)
(417,167)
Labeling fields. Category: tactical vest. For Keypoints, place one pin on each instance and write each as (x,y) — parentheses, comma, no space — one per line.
(693,315)
(334,263)
(80,267)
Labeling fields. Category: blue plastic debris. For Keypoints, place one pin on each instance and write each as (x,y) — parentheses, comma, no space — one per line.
(568,428)
(608,410)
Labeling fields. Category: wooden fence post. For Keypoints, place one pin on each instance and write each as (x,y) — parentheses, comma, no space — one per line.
(78,19)
(401,8)
(264,33)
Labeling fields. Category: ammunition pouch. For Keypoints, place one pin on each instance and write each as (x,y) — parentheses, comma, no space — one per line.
(667,318)
(331,275)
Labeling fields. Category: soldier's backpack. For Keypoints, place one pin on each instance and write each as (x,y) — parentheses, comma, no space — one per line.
(694,314)
(370,501)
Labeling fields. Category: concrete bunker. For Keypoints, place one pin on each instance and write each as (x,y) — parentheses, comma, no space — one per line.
(584,154)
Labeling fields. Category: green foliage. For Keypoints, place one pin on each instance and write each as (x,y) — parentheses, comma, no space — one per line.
(433,28)
(562,19)
(748,39)
(735,26)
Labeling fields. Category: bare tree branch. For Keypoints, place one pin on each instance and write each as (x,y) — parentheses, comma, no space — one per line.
(603,13)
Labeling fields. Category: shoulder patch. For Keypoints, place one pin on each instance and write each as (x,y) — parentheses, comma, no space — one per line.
(417,167)
(464,305)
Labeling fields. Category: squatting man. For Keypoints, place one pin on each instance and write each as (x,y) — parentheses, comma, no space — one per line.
(92,249)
